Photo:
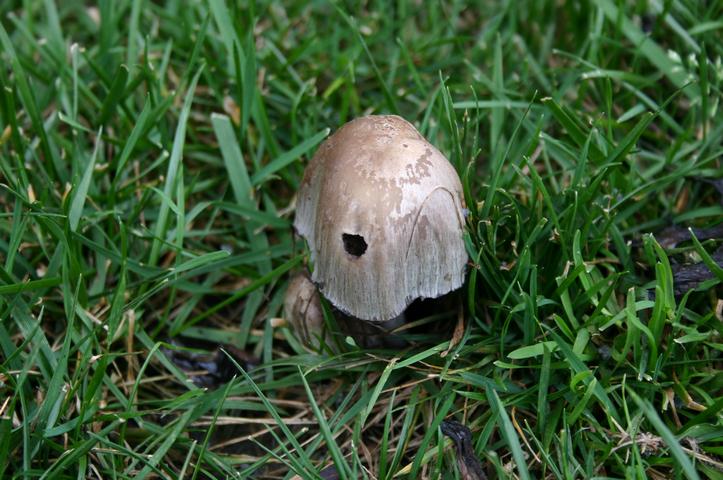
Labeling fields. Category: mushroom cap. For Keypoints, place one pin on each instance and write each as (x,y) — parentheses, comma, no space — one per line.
(383,213)
(302,309)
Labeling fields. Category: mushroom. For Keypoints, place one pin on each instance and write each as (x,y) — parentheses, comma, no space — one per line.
(302,309)
(382,211)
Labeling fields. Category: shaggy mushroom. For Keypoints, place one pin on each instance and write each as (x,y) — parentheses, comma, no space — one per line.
(382,211)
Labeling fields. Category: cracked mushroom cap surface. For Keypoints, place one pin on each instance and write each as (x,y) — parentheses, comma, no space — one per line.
(382,211)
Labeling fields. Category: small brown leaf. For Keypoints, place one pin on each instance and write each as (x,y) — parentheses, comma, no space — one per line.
(232,109)
(457,335)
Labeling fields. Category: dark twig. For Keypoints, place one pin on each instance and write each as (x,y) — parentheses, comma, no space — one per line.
(469,465)
(689,276)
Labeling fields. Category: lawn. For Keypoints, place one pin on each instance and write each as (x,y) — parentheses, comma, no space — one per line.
(150,153)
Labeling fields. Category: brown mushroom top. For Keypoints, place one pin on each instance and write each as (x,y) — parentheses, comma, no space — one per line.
(383,213)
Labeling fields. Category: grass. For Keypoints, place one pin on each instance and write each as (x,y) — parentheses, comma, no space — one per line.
(149,156)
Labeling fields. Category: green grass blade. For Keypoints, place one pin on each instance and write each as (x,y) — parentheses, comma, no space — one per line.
(508,433)
(670,440)
(173,166)
(80,192)
(287,157)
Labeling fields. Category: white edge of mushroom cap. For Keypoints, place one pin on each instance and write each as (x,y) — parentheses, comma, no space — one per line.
(377,178)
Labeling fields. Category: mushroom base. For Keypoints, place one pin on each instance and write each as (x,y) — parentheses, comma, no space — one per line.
(370,334)
(422,318)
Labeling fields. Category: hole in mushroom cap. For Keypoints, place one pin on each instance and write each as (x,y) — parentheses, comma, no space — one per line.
(354,244)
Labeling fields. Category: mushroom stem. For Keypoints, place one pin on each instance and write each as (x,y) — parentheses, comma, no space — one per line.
(395,322)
